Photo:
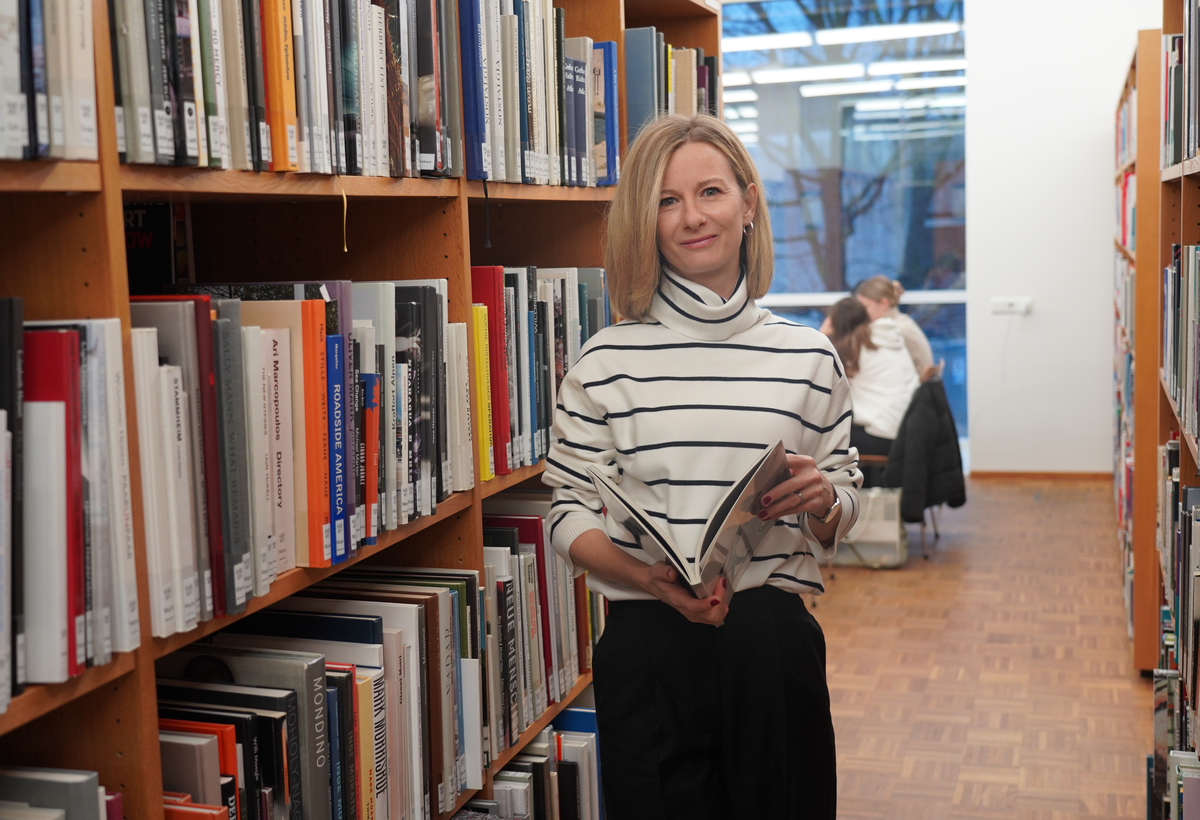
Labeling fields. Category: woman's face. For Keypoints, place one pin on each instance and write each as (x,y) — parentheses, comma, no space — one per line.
(701,214)
(875,307)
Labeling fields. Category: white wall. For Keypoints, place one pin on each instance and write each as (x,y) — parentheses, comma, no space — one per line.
(1044,79)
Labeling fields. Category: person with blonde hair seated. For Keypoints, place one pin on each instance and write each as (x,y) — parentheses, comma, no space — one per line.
(881,373)
(881,297)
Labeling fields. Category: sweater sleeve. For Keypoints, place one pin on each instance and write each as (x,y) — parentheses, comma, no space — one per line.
(916,342)
(581,439)
(839,462)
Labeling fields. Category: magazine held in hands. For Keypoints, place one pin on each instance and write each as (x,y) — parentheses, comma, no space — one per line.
(731,535)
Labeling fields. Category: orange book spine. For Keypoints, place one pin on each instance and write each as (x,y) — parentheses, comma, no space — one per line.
(280,77)
(316,414)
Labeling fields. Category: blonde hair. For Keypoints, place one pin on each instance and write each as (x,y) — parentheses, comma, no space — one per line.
(881,289)
(631,254)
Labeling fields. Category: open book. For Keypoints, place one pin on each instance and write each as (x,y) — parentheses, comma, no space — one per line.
(731,535)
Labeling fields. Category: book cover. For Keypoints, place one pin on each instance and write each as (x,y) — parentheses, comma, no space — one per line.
(342,679)
(12,386)
(641,71)
(245,726)
(172,451)
(336,784)
(280,84)
(259,470)
(338,460)
(606,113)
(278,354)
(72,790)
(731,534)
(227,753)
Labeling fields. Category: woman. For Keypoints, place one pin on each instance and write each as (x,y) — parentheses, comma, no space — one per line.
(882,376)
(713,707)
(880,296)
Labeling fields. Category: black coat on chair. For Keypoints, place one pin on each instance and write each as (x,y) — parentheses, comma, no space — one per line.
(924,460)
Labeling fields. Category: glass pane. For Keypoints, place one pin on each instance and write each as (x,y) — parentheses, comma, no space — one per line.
(854,114)
(946,328)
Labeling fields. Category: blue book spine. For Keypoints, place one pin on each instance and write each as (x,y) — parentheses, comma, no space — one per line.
(641,72)
(474,105)
(337,802)
(522,92)
(39,103)
(370,406)
(338,509)
(533,402)
(612,113)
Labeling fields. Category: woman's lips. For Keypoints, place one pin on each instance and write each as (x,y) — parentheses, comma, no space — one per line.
(702,242)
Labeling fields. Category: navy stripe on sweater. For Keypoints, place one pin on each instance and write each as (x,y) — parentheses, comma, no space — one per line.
(759,379)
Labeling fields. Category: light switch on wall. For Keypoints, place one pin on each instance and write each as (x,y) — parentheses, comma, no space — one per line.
(1012,305)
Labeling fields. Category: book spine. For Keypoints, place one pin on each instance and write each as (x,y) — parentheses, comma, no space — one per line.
(235,53)
(127,622)
(337,113)
(508,649)
(351,101)
(474,90)
(120,88)
(371,454)
(317,416)
(232,516)
(483,391)
(256,103)
(39,107)
(160,102)
(280,83)
(177,27)
(338,516)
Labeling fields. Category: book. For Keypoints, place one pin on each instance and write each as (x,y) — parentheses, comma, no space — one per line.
(277,349)
(483,392)
(191,764)
(12,386)
(235,464)
(72,790)
(731,534)
(54,575)
(606,113)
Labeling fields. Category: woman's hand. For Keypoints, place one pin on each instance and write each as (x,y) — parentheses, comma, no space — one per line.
(662,581)
(808,490)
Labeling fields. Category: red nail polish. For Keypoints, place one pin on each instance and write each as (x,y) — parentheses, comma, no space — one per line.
(714,602)
(763,515)
(766,499)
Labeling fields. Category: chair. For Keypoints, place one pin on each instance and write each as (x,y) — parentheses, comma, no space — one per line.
(882,461)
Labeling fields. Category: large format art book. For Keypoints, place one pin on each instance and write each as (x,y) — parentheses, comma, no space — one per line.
(731,535)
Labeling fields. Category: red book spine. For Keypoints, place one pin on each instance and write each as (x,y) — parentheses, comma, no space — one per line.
(209,441)
(487,288)
(532,531)
(51,363)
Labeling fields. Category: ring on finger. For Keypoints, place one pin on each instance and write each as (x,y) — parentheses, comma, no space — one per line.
(799,498)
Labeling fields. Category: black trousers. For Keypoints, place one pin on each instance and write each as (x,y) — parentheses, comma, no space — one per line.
(869,445)
(702,722)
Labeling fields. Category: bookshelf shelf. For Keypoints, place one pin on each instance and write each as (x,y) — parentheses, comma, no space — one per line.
(529,734)
(1174,172)
(294,580)
(151,181)
(1125,252)
(640,9)
(41,699)
(49,177)
(504,482)
(538,193)
(1191,166)
(1129,166)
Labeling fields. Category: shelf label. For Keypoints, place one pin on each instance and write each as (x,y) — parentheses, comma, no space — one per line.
(120,112)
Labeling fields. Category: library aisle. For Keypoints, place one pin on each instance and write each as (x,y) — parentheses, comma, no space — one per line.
(995,680)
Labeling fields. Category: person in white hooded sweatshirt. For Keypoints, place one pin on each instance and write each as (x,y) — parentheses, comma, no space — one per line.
(880,370)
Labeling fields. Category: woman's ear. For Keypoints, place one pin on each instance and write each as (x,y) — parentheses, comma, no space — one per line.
(751,198)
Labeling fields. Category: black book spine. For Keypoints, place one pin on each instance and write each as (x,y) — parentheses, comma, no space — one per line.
(430,365)
(427,72)
(333,59)
(569,807)
(12,401)
(543,365)
(560,52)
(29,151)
(408,332)
(33,66)
(572,141)
(229,796)
(177,27)
(89,569)
(260,136)
(359,458)
(523,108)
(161,102)
(383,408)
(582,112)
(443,404)
(118,100)
(351,104)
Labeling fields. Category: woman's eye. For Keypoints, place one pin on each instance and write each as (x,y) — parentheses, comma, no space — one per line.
(666,202)
(712,191)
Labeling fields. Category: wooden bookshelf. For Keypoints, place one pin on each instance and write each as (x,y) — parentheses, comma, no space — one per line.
(63,243)
(503,759)
(1144,614)
(1173,172)
(47,177)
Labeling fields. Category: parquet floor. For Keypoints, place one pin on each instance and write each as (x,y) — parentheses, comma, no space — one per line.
(994,680)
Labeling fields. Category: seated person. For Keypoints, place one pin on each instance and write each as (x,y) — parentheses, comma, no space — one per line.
(881,374)
(880,296)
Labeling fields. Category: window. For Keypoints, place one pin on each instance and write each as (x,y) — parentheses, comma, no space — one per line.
(854,111)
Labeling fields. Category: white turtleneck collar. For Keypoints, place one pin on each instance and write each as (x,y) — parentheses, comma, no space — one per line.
(698,313)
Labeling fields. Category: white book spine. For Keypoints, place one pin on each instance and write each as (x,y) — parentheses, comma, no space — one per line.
(381,108)
(47,615)
(6,579)
(219,144)
(140,145)
(14,123)
(550,50)
(56,30)
(177,492)
(318,76)
(256,452)
(96,447)
(303,93)
(573,633)
(234,59)
(263,458)
(393,675)
(278,352)
(509,51)
(80,94)
(198,85)
(485,73)
(366,88)
(126,620)
(144,342)
(495,102)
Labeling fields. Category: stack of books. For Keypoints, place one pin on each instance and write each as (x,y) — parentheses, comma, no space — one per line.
(530,326)
(29,793)
(68,586)
(297,426)
(662,80)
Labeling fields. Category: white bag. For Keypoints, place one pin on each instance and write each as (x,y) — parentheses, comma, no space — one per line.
(877,539)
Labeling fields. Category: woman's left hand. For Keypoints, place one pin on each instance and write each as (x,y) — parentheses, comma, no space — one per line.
(808,490)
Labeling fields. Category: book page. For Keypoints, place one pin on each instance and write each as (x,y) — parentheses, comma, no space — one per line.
(634,520)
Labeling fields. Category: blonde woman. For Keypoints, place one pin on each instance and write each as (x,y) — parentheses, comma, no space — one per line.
(881,296)
(714,707)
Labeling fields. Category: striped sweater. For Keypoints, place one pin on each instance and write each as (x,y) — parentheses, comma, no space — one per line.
(676,408)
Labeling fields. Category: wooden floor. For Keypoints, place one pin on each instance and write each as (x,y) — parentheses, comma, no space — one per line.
(994,680)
